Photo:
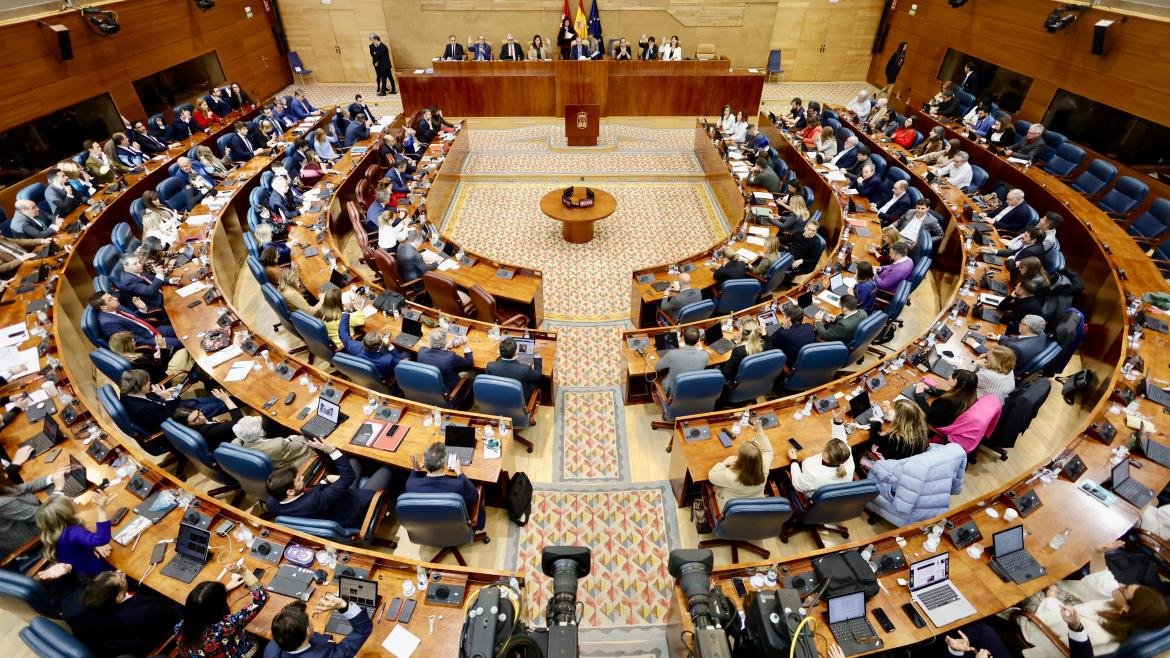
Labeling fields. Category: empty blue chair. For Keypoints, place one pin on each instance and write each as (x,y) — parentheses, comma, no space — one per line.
(1021,127)
(1095,178)
(919,273)
(966,101)
(103,284)
(816,364)
(501,396)
(774,66)
(736,295)
(915,195)
(756,376)
(1053,260)
(777,272)
(1065,160)
(829,506)
(694,393)
(191,152)
(49,640)
(807,193)
(172,193)
(276,302)
(36,194)
(312,330)
(1046,355)
(193,446)
(1052,142)
(829,114)
(833,122)
(258,196)
(25,596)
(90,327)
(1124,197)
(440,519)
(106,259)
(250,245)
(744,520)
(1152,225)
(898,301)
(879,164)
(360,371)
(110,363)
(257,270)
(700,310)
(423,383)
(297,66)
(250,468)
(137,208)
(923,247)
(895,174)
(1145,644)
(978,179)
(866,332)
(1033,218)
(124,239)
(222,143)
(266,180)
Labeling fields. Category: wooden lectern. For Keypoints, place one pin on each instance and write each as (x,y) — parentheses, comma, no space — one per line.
(581,124)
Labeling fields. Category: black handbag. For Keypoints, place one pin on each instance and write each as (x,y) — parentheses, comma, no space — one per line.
(846,572)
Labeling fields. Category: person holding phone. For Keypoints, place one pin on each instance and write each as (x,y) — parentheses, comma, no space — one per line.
(210,628)
(744,474)
(431,477)
(292,631)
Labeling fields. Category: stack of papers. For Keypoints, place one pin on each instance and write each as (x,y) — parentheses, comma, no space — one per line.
(746,254)
(758,230)
(763,196)
(401,642)
(755,239)
(835,177)
(198,220)
(448,264)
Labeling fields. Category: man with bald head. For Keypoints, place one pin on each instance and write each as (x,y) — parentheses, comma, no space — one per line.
(30,223)
(199,182)
(897,205)
(847,156)
(679,294)
(1013,216)
(480,51)
(512,50)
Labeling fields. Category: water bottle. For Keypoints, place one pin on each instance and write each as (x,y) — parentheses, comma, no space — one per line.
(494,332)
(369,406)
(1058,540)
(435,418)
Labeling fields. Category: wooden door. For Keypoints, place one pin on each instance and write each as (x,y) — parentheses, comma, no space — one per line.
(310,33)
(352,46)
(845,51)
(802,65)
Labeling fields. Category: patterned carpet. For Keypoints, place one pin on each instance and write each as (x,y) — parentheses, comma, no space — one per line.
(629,528)
(589,282)
(590,436)
(589,355)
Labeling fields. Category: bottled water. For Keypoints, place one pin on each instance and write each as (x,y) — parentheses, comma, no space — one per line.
(1058,540)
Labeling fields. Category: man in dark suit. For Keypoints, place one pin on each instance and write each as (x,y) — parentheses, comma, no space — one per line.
(679,295)
(1013,216)
(579,50)
(340,501)
(427,127)
(28,222)
(282,199)
(853,171)
(454,50)
(293,636)
(1023,301)
(847,155)
(112,318)
(794,333)
(1029,343)
(239,147)
(383,68)
(649,48)
(622,51)
(196,177)
(480,51)
(217,103)
(410,262)
(279,122)
(398,178)
(59,194)
(869,184)
(302,107)
(110,621)
(184,126)
(436,480)
(840,327)
(359,108)
(1032,241)
(134,283)
(897,204)
(373,347)
(512,50)
(970,83)
(150,404)
(806,249)
(356,131)
(440,354)
(149,144)
(508,366)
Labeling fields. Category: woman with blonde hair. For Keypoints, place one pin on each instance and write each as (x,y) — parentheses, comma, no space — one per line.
(79,179)
(19,504)
(744,474)
(771,255)
(323,143)
(293,290)
(832,465)
(159,220)
(793,222)
(751,341)
(905,434)
(332,307)
(890,237)
(65,539)
(826,143)
(995,371)
(213,165)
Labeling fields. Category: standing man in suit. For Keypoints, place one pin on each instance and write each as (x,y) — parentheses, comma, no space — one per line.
(1014,215)
(840,327)
(688,357)
(897,205)
(512,50)
(293,636)
(454,50)
(508,366)
(480,51)
(383,67)
(970,83)
(342,501)
(29,223)
(149,405)
(439,353)
(184,126)
(359,108)
(356,131)
(678,295)
(59,194)
(1028,344)
(410,262)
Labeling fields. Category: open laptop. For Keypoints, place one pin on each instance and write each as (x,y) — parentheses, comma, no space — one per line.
(1012,559)
(1155,393)
(526,350)
(850,627)
(860,408)
(931,588)
(76,481)
(192,548)
(805,300)
(1134,492)
(837,285)
(460,441)
(49,436)
(666,341)
(713,337)
(359,591)
(411,331)
(327,418)
(1159,453)
(769,322)
(940,365)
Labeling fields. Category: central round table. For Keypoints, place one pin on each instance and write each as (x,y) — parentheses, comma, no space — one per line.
(577,223)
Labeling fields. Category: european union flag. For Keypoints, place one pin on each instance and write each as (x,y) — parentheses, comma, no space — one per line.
(595,25)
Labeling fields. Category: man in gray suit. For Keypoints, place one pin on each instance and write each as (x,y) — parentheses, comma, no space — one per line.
(689,357)
(763,176)
(840,327)
(29,223)
(679,294)
(59,195)
(410,262)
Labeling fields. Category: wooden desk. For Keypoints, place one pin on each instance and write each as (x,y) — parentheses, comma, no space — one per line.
(577,223)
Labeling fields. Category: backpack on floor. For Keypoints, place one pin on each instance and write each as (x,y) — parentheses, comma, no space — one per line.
(519,501)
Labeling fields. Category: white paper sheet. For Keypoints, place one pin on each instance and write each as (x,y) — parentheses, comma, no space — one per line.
(223,356)
(13,334)
(401,642)
(758,230)
(239,371)
(192,288)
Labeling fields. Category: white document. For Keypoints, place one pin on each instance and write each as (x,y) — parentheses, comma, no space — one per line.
(1018,160)
(401,642)
(26,362)
(755,239)
(746,254)
(198,220)
(448,264)
(767,196)
(192,288)
(758,230)
(430,257)
(835,177)
(239,371)
(223,356)
(13,334)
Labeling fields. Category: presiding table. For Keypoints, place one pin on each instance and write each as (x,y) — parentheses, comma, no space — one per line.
(577,223)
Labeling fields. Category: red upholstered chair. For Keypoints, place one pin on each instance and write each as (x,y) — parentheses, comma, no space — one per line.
(444,295)
(359,231)
(363,194)
(486,310)
(373,173)
(387,266)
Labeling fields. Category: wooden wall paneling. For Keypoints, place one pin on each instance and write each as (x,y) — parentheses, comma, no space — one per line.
(581,82)
(333,40)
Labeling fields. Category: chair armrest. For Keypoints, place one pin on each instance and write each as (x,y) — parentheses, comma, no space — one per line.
(459,386)
(518,320)
(772,489)
(659,393)
(373,515)
(533,403)
(711,504)
(24,549)
(413,282)
(1061,647)
(477,508)
(312,470)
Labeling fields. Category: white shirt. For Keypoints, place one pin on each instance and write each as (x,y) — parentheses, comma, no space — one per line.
(889,204)
(390,236)
(671,53)
(728,123)
(959,174)
(812,473)
(860,107)
(1002,211)
(739,133)
(910,231)
(1096,590)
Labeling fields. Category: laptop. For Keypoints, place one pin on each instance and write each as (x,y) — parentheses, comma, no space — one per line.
(931,588)
(410,333)
(526,350)
(1155,393)
(48,437)
(1012,559)
(988,314)
(359,591)
(666,341)
(713,336)
(995,285)
(76,482)
(837,285)
(860,408)
(769,322)
(39,410)
(940,366)
(1159,453)
(460,441)
(850,627)
(192,548)
(805,300)
(327,418)
(1134,492)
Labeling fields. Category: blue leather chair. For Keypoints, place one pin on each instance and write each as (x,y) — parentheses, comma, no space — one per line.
(1124,197)
(501,396)
(1046,355)
(1021,127)
(879,164)
(276,303)
(1095,179)
(190,107)
(257,270)
(829,506)
(700,310)
(423,383)
(1033,218)
(694,393)
(832,121)
(253,218)
(250,468)
(221,143)
(1052,142)
(192,445)
(866,332)
(103,284)
(173,170)
(1145,644)
(895,174)
(106,259)
(5,225)
(744,520)
(25,596)
(897,302)
(110,363)
(266,180)
(36,194)
(978,179)
(49,640)
(169,192)
(756,376)
(108,397)
(90,327)
(808,196)
(918,139)
(155,117)
(915,195)
(966,101)
(332,530)
(250,245)
(816,364)
(312,330)
(440,519)
(361,371)
(776,273)
(1065,160)
(845,133)
(258,196)
(923,247)
(137,207)
(919,273)
(123,238)
(736,295)
(1153,225)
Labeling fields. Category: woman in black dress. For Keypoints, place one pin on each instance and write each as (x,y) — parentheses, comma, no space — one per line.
(565,37)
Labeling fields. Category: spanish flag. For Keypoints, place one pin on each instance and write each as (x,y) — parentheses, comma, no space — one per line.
(581,22)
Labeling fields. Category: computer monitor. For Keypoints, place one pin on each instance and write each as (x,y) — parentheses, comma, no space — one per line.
(805,299)
(859,404)
(836,281)
(525,346)
(1008,541)
(924,573)
(76,471)
(846,607)
(358,590)
(328,410)
(411,327)
(193,542)
(1119,473)
(459,436)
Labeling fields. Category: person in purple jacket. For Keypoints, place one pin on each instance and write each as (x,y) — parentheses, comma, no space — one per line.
(889,276)
(66,540)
